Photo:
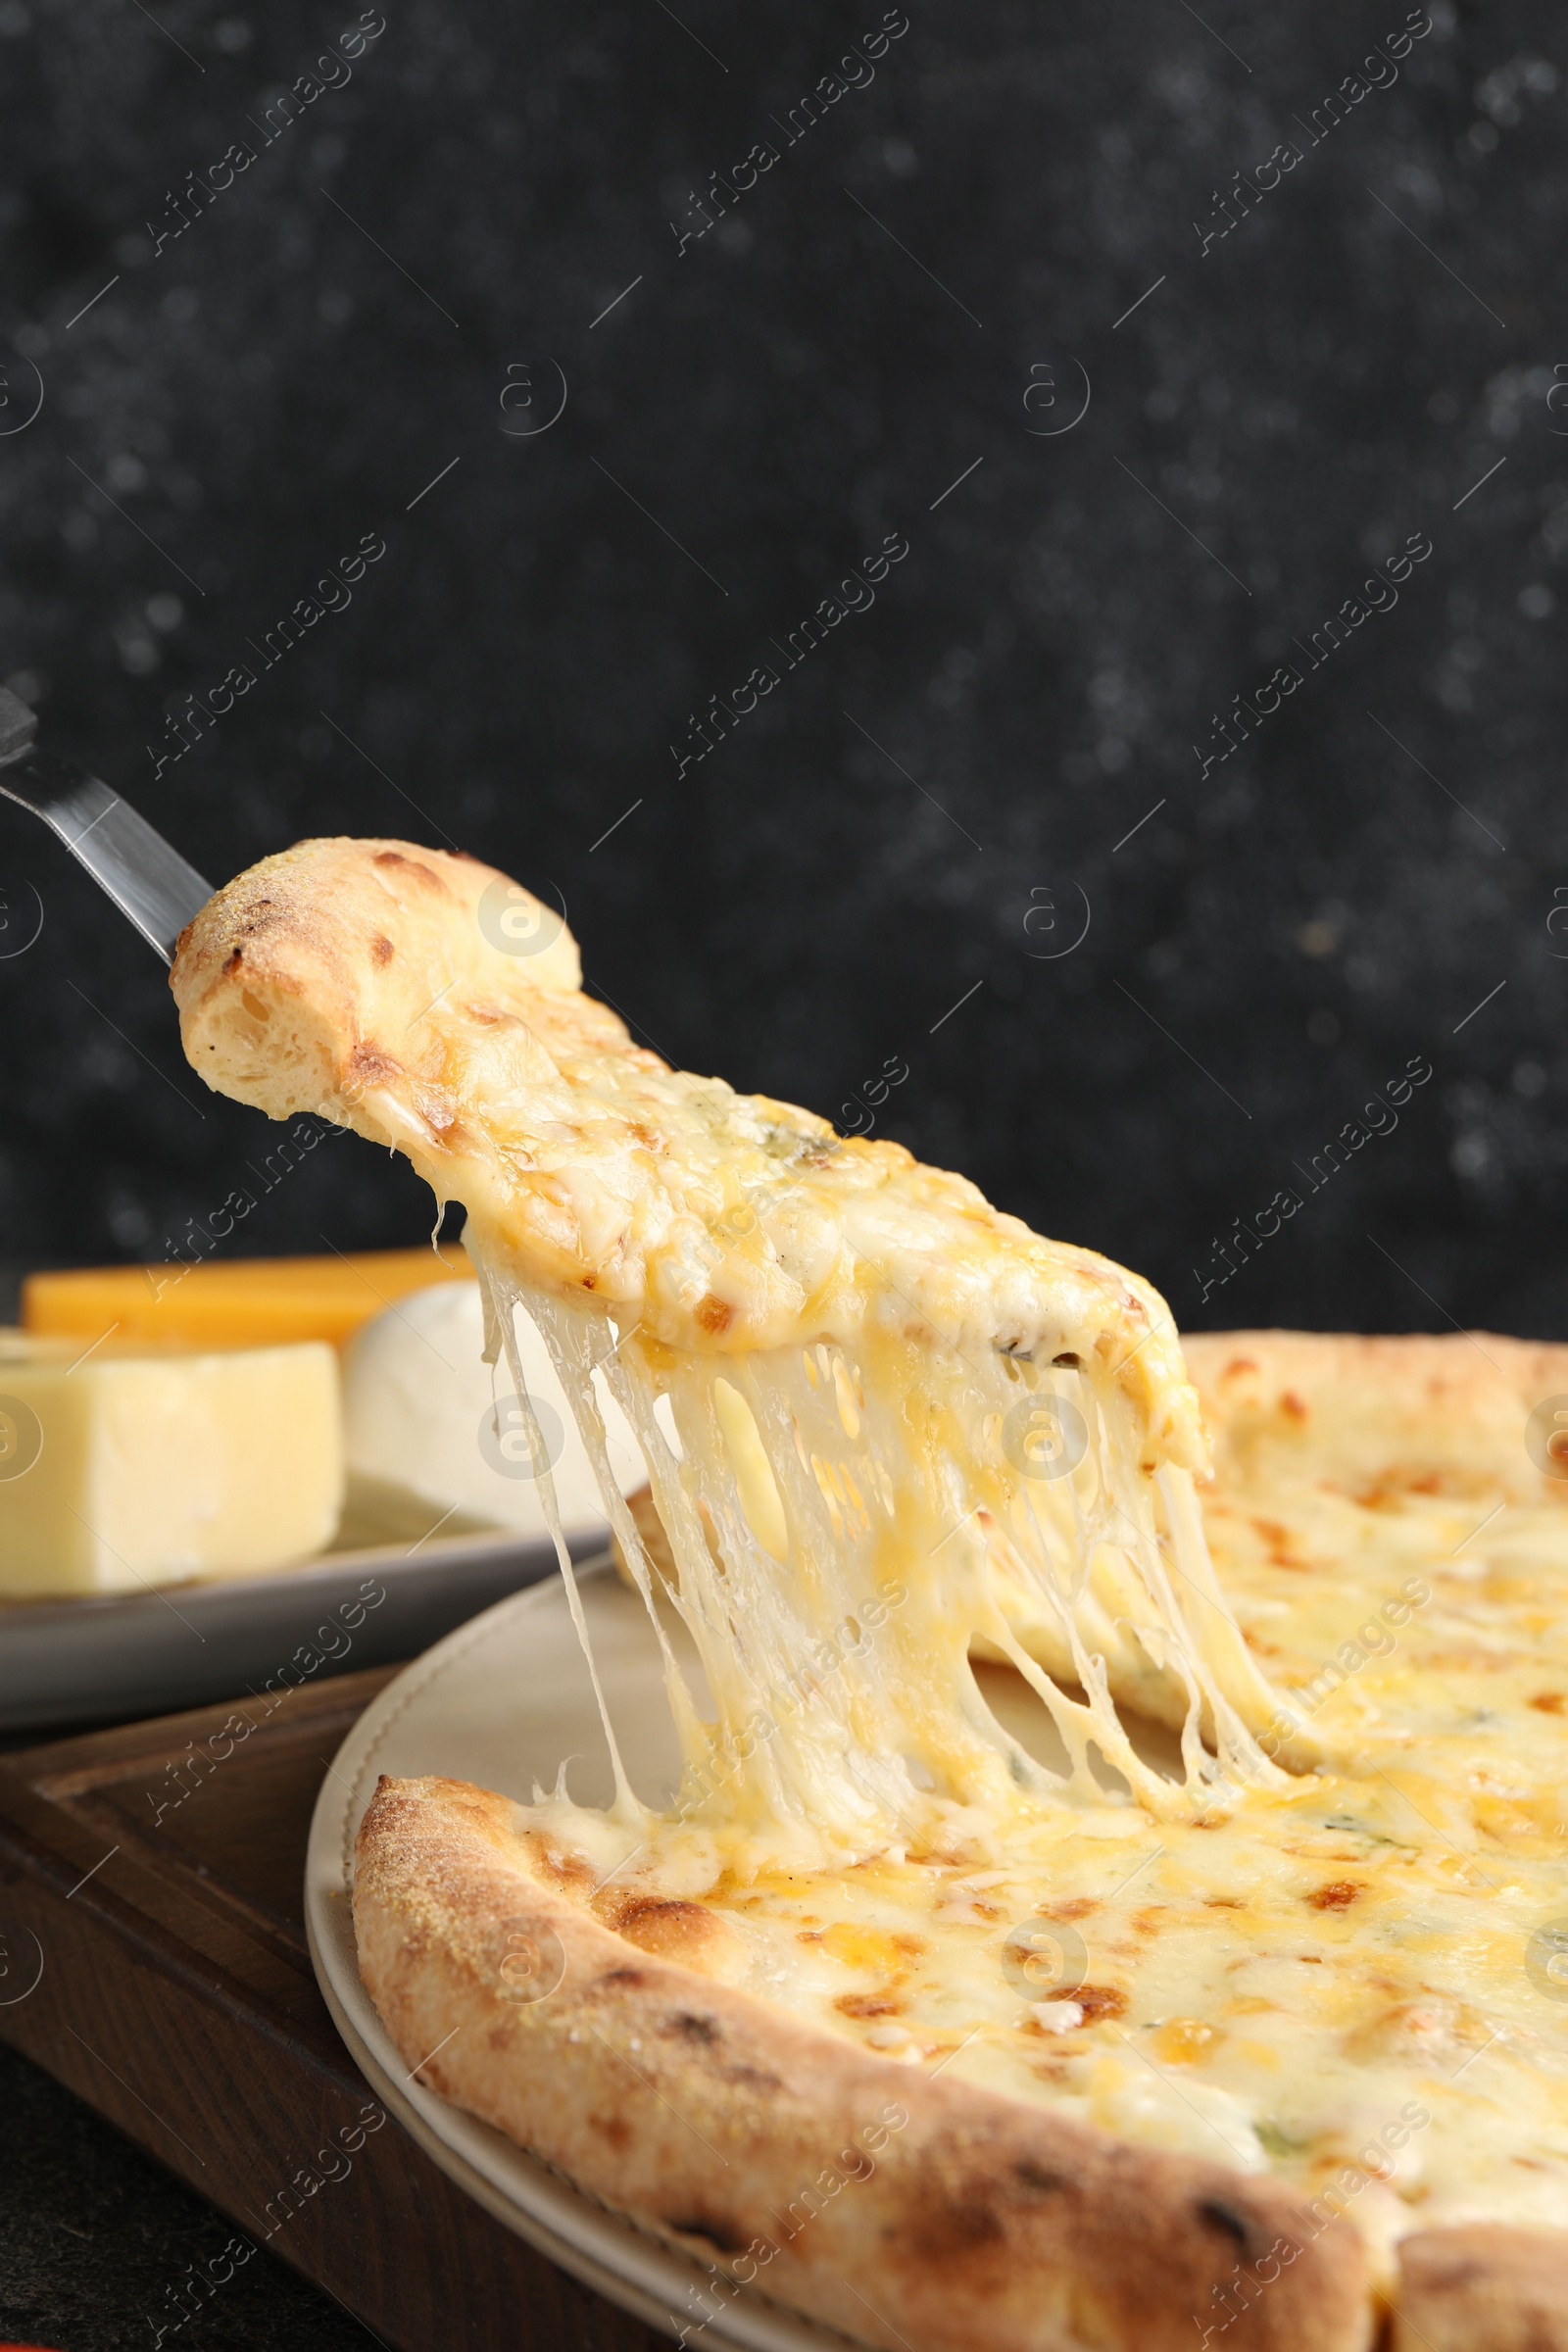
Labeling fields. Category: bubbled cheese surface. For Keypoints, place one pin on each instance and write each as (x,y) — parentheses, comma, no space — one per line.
(1355,1976)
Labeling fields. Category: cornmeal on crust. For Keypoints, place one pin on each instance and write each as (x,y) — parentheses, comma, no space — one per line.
(718,2122)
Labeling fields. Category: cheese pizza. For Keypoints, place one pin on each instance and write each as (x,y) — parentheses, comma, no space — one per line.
(1112,1894)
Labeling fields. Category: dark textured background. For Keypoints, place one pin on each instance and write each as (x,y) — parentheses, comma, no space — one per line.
(1274,943)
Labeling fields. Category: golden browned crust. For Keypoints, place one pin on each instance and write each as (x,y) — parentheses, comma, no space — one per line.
(779,2155)
(1450,1409)
(1482,2289)
(305,983)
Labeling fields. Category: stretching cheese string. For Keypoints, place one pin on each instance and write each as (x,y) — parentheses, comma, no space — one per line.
(848,1720)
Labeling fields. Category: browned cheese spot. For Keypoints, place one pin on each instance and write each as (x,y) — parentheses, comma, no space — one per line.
(1076,1906)
(1338,1895)
(1098,2001)
(669,1929)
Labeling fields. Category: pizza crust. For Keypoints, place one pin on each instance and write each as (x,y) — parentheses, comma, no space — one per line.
(305,980)
(1482,2289)
(775,2153)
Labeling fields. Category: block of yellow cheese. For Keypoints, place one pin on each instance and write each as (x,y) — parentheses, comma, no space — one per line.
(232,1303)
(132,1468)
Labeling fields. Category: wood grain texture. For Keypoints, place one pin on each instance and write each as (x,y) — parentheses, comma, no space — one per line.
(155,1962)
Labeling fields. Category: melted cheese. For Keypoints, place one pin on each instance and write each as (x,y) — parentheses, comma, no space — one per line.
(895,1438)
(1356,1980)
(847,1527)
(1412,1621)
(731,1223)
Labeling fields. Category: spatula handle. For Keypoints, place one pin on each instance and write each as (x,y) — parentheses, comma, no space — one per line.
(149,882)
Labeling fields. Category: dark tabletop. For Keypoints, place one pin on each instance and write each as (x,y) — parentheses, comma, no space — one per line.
(95,2239)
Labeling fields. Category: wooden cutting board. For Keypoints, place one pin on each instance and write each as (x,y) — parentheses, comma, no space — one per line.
(155,1962)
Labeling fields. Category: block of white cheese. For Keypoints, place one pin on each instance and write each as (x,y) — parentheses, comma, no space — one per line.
(125,1469)
(423,1411)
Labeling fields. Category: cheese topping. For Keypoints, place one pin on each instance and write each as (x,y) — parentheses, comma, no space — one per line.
(927,1481)
(847,1527)
(881,1419)
(1357,1979)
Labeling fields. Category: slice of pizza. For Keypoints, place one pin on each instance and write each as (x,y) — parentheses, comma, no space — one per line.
(989,1977)
(848,1373)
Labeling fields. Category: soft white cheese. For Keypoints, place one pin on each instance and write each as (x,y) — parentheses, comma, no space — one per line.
(425,1411)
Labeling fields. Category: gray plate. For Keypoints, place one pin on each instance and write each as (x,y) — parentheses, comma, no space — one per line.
(78,1663)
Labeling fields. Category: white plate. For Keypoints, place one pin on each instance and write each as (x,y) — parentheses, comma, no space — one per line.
(503,1701)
